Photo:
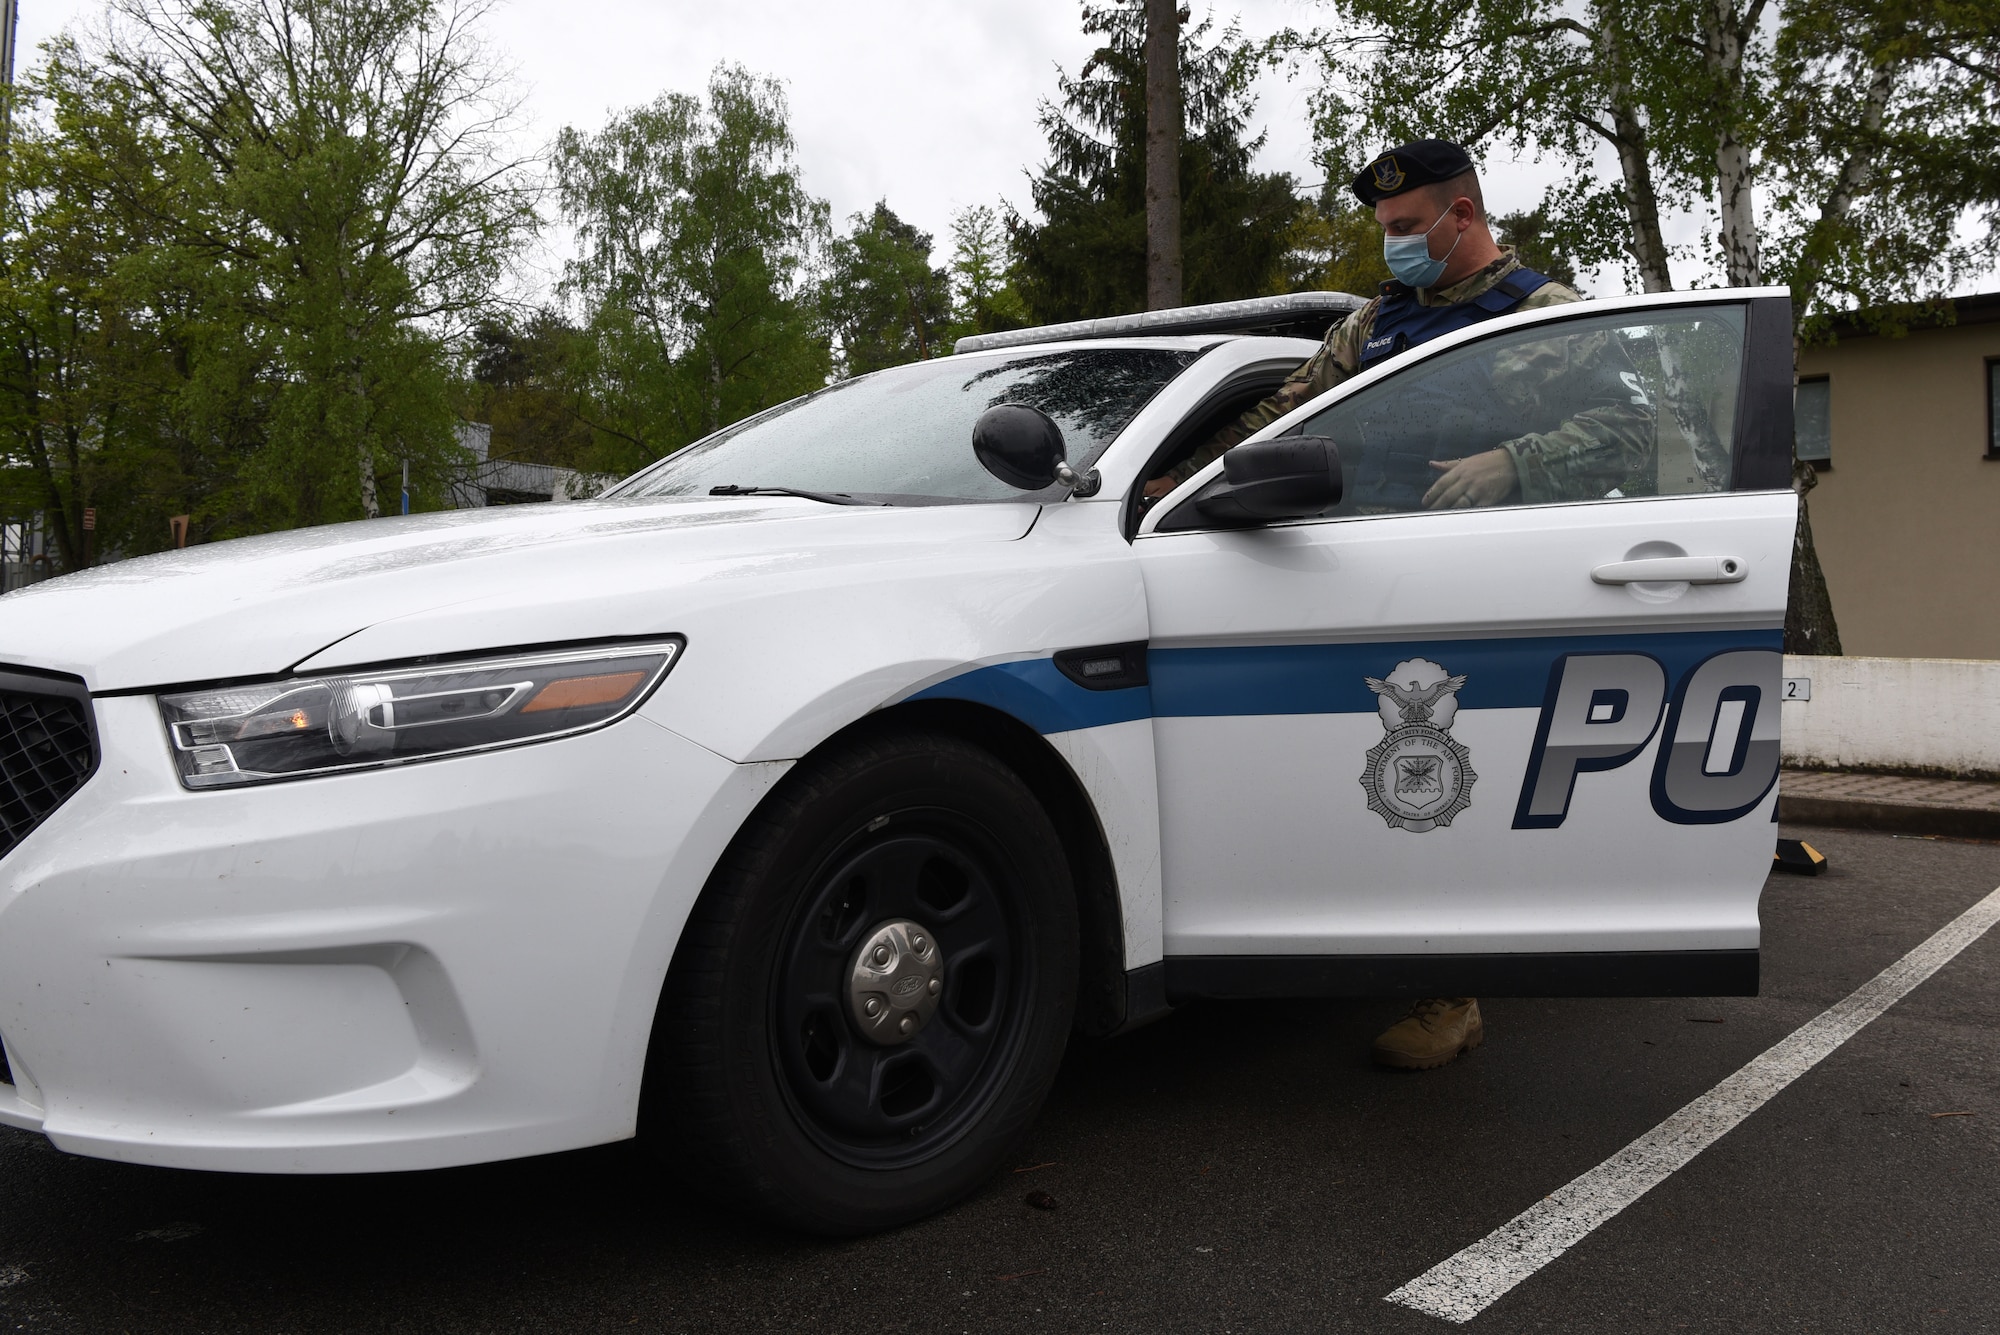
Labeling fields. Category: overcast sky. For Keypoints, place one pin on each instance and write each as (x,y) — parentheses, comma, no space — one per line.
(927,103)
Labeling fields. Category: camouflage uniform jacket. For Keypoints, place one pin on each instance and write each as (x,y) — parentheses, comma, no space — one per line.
(1338,357)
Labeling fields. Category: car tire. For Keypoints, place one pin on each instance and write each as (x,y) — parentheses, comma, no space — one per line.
(762,1086)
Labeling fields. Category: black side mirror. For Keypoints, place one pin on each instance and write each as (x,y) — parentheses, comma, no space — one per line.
(1292,477)
(1021,446)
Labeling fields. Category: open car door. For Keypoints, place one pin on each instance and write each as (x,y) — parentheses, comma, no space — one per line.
(1527,747)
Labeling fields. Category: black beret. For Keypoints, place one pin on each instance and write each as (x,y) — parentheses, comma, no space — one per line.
(1424,162)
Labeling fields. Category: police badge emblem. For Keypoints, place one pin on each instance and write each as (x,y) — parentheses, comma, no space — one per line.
(1419,776)
(1389,175)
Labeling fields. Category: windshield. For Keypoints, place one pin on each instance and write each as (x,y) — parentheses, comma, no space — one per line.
(905,434)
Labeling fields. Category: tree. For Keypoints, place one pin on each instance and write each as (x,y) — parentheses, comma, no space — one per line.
(1869,128)
(86,380)
(1537,242)
(1163,154)
(1521,74)
(699,254)
(982,265)
(523,384)
(886,302)
(135,382)
(341,190)
(1086,253)
(1883,143)
(1336,246)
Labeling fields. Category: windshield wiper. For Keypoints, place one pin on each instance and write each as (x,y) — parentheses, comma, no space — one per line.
(830,497)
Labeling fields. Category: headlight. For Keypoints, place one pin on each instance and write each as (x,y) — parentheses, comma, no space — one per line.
(324,725)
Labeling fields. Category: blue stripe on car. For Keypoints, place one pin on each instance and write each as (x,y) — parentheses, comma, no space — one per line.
(1312,678)
(1033,691)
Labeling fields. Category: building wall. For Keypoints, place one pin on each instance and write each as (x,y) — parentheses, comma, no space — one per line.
(1885,714)
(1908,518)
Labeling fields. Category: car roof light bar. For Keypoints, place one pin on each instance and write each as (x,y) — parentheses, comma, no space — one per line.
(1298,314)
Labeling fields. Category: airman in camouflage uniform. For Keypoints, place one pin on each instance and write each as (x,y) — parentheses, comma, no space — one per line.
(1595,426)
(1595,423)
(1339,357)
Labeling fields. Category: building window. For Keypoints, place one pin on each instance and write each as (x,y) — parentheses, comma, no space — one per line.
(1993,409)
(1812,422)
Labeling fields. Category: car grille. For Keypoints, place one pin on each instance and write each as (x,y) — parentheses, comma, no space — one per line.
(46,752)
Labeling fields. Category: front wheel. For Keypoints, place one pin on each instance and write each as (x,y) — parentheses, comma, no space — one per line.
(871,999)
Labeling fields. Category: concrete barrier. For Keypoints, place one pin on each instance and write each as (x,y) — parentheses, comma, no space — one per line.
(1919,715)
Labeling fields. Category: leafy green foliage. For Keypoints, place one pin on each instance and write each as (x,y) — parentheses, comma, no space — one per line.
(1538,243)
(699,252)
(886,302)
(241,235)
(90,364)
(1525,75)
(1335,246)
(982,271)
(1883,155)
(1086,255)
(1868,131)
(344,196)
(523,384)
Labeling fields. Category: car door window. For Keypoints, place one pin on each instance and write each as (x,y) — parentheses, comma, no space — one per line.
(1640,403)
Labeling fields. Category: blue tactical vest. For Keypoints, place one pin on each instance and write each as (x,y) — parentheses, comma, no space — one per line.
(1402,322)
(1389,462)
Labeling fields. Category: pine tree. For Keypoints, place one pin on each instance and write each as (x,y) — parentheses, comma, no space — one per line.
(885,301)
(1085,254)
(982,274)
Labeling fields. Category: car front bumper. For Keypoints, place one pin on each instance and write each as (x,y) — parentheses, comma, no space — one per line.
(446,962)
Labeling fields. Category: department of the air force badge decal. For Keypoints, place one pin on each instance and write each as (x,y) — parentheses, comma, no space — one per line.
(1418,777)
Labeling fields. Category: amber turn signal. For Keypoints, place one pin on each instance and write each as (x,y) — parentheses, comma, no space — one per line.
(571,692)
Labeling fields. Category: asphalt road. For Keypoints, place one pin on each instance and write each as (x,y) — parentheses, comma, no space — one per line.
(1234,1168)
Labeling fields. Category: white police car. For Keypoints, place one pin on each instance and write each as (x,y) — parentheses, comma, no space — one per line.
(796,801)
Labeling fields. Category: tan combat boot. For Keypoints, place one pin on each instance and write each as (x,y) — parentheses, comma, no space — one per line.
(1434,1032)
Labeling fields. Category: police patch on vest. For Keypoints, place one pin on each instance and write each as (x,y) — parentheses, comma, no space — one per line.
(1388,176)
(1419,776)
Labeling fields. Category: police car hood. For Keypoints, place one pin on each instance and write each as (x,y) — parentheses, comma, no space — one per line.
(454,582)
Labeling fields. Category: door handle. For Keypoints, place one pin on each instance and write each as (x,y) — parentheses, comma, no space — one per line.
(1672,570)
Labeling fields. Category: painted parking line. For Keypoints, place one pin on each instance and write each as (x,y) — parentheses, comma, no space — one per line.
(1462,1286)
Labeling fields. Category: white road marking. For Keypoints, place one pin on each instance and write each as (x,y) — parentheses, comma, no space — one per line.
(1460,1287)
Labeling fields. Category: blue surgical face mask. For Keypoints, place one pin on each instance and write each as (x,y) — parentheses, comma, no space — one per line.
(1409,257)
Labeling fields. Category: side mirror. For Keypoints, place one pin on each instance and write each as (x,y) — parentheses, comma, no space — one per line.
(1292,477)
(1023,447)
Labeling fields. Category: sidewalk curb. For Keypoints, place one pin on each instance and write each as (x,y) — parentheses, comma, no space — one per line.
(1893,817)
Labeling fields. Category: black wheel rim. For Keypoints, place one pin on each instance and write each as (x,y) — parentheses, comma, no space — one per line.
(888,1107)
